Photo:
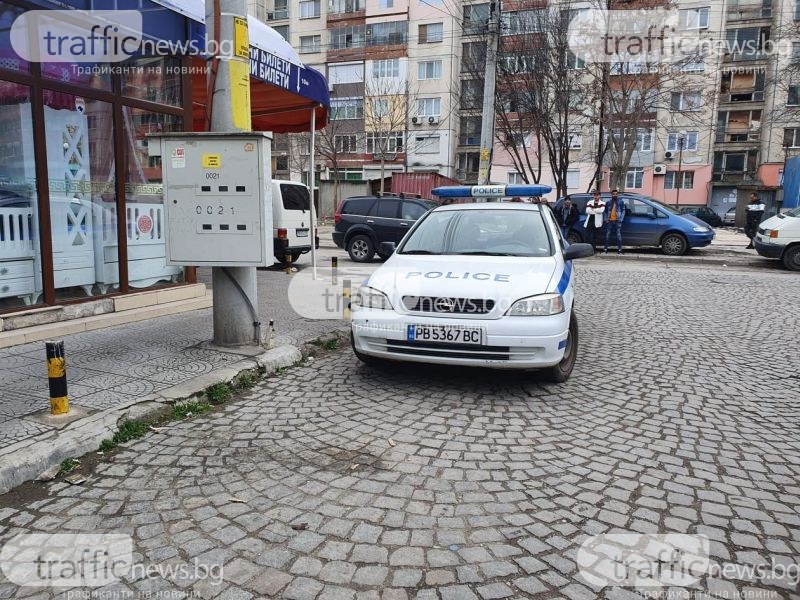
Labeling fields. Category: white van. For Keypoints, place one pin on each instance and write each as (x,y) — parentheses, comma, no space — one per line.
(291,219)
(779,237)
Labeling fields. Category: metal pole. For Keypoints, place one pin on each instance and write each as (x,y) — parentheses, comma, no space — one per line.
(312,181)
(489,83)
(679,177)
(234,287)
(57,377)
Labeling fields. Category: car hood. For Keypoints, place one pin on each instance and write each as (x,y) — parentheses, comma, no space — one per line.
(501,279)
(694,220)
(777,222)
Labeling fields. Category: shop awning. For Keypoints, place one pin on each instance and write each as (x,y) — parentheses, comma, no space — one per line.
(283,90)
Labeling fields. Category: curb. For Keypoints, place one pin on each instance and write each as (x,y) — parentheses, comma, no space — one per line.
(732,261)
(28,459)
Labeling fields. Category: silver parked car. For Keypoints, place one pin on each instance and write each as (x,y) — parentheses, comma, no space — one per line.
(729,218)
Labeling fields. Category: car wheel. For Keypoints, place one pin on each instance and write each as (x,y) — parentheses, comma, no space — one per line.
(791,258)
(573,237)
(360,248)
(560,373)
(674,244)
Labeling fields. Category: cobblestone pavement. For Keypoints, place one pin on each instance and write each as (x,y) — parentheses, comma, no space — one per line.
(337,480)
(117,366)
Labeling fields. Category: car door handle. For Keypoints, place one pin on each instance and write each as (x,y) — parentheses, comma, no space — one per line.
(403,224)
(370,221)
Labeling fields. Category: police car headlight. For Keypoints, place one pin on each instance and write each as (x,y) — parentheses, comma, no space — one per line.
(537,306)
(368,297)
(700,229)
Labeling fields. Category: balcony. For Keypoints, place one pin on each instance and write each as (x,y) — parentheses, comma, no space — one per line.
(748,12)
(737,96)
(733,176)
(737,135)
(346,9)
(279,14)
(467,176)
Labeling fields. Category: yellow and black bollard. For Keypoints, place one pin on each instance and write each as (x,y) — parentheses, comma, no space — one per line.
(346,292)
(334,268)
(288,259)
(57,375)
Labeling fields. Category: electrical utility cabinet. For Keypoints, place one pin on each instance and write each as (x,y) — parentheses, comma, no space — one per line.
(217,198)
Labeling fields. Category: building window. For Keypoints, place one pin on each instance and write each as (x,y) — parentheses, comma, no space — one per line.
(575,61)
(797,10)
(472,94)
(634,178)
(473,57)
(383,34)
(347,108)
(310,43)
(476,18)
(348,37)
(346,73)
(689,142)
(347,144)
(309,9)
(345,6)
(515,178)
(429,107)
(467,165)
(470,131)
(694,18)
(518,140)
(430,33)
(688,101)
(573,178)
(385,69)
(684,179)
(523,21)
(282,162)
(380,107)
(791,137)
(795,52)
(385,3)
(514,62)
(429,69)
(384,143)
(283,30)
(793,97)
(427,144)
(644,139)
(575,140)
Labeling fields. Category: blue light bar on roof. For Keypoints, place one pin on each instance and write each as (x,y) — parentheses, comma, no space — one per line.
(490,191)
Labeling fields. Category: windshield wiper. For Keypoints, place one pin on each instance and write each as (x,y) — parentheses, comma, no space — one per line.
(419,252)
(485,253)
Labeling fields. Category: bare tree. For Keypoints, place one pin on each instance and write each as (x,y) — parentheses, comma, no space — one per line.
(385,118)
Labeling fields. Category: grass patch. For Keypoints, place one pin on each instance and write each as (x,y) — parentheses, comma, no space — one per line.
(68,465)
(328,344)
(187,409)
(128,430)
(280,371)
(219,393)
(246,381)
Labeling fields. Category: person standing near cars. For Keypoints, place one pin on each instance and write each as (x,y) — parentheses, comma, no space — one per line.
(755,212)
(567,216)
(594,217)
(614,216)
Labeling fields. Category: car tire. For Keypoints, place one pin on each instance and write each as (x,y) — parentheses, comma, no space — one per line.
(573,237)
(791,258)
(560,373)
(674,244)
(360,248)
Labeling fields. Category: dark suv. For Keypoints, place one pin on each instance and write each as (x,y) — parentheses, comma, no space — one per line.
(363,222)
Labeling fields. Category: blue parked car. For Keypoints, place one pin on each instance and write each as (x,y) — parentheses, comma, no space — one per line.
(648,222)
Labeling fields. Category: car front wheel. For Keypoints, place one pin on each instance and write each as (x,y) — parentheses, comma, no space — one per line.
(791,258)
(560,373)
(674,244)
(360,248)
(573,237)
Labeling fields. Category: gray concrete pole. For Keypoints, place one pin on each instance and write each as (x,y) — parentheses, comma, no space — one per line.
(233,319)
(488,118)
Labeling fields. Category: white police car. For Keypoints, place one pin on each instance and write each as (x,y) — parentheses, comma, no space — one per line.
(487,284)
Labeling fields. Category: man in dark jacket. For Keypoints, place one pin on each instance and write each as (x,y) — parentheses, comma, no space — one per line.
(755,212)
(567,216)
(613,217)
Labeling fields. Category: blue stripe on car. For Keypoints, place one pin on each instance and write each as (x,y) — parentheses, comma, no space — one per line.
(562,344)
(563,283)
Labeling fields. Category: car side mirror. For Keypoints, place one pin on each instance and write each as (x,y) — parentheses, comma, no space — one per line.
(387,248)
(574,251)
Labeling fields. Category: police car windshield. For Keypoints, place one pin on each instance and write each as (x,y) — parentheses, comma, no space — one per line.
(480,232)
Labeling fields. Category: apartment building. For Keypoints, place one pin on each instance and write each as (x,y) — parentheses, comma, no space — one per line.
(723,127)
